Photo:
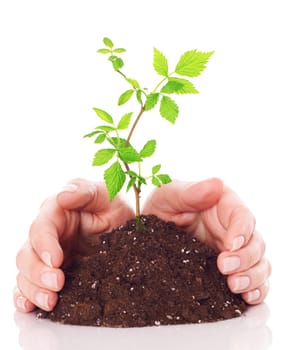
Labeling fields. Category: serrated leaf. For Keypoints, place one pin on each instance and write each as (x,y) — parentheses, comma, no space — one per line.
(124,121)
(155,181)
(119,50)
(93,133)
(148,149)
(103,115)
(133,82)
(100,138)
(125,97)
(105,128)
(164,178)
(169,109)
(131,183)
(103,156)
(104,51)
(192,63)
(114,178)
(179,86)
(151,101)
(128,154)
(156,168)
(160,63)
(107,42)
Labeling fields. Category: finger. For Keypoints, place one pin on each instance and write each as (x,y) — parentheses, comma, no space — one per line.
(80,193)
(201,195)
(250,279)
(43,298)
(240,228)
(43,236)
(244,258)
(32,268)
(21,303)
(257,295)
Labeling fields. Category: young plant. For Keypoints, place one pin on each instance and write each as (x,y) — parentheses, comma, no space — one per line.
(125,161)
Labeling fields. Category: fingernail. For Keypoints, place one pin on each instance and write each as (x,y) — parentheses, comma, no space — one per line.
(46,257)
(49,279)
(241,283)
(253,295)
(237,243)
(21,300)
(230,264)
(69,188)
(42,300)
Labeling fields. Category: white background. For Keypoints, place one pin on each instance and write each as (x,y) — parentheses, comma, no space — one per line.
(51,77)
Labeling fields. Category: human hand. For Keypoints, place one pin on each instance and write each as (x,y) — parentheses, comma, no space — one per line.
(215,215)
(65,224)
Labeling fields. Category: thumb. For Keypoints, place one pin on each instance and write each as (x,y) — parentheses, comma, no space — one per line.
(81,193)
(200,195)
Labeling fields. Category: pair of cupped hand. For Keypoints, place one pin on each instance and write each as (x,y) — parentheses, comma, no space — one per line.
(207,209)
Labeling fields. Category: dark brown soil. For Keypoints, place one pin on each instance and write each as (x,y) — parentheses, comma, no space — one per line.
(157,276)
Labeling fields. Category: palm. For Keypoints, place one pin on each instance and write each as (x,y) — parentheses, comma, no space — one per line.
(80,221)
(205,209)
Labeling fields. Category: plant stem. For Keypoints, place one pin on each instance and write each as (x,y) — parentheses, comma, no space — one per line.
(137,192)
(134,125)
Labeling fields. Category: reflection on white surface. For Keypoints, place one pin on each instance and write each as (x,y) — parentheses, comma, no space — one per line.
(246,332)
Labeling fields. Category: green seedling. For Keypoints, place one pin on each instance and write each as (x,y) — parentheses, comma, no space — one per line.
(125,160)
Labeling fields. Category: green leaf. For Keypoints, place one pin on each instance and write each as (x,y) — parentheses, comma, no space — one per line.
(114,178)
(160,63)
(169,109)
(131,183)
(125,97)
(138,95)
(103,156)
(103,115)
(156,168)
(179,86)
(132,173)
(192,63)
(129,154)
(100,138)
(124,121)
(141,181)
(105,128)
(133,82)
(117,142)
(151,101)
(93,133)
(148,149)
(104,51)
(117,62)
(119,50)
(155,181)
(107,42)
(164,178)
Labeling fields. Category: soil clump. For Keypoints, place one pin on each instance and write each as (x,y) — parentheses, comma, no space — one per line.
(156,276)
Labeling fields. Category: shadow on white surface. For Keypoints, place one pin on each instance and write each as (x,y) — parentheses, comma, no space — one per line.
(247,332)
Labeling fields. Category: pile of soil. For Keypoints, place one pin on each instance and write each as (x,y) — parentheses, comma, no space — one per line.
(158,276)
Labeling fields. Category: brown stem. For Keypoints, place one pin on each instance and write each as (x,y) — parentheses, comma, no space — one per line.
(136,189)
(134,125)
